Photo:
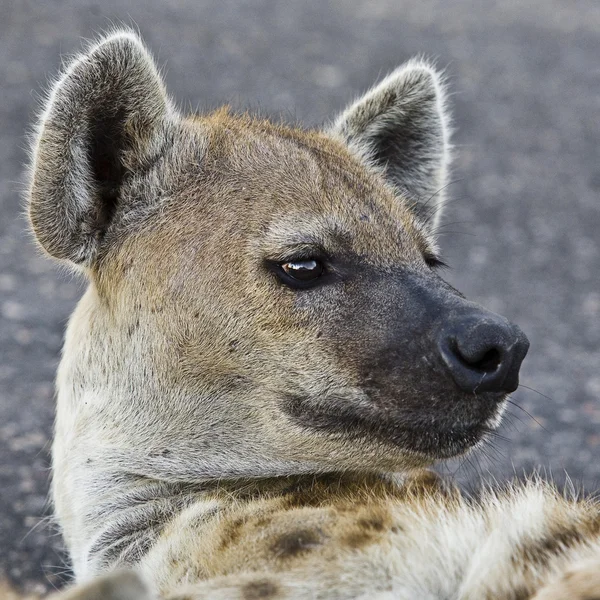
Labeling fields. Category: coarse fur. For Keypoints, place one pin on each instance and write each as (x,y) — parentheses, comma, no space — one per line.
(225,432)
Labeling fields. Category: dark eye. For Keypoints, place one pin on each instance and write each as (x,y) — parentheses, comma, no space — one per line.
(303,270)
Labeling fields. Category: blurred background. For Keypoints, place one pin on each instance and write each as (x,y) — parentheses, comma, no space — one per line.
(522,231)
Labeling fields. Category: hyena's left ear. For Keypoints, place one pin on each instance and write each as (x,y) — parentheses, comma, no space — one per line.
(106,118)
(402,126)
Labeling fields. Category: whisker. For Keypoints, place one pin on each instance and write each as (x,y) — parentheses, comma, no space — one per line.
(45,521)
(478,468)
(540,393)
(508,419)
(510,401)
(494,459)
(494,434)
(460,465)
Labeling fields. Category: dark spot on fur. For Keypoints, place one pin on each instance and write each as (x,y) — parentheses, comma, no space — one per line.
(364,217)
(540,551)
(427,480)
(255,590)
(173,560)
(560,540)
(295,543)
(264,521)
(521,593)
(347,508)
(233,345)
(131,329)
(358,539)
(396,529)
(292,501)
(157,453)
(302,498)
(591,527)
(231,532)
(372,523)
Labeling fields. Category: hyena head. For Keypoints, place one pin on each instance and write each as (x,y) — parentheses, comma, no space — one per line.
(262,300)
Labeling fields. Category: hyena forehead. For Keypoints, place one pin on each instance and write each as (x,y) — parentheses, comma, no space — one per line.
(283,190)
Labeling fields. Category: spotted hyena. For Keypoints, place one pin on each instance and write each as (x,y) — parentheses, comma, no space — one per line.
(266,359)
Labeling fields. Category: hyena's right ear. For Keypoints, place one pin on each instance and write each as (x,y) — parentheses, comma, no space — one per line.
(107,116)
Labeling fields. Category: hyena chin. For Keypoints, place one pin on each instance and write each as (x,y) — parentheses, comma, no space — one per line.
(266,360)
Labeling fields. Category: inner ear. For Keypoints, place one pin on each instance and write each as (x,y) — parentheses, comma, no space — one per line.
(107,138)
(105,119)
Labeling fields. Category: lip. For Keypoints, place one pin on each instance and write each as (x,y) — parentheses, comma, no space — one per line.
(432,438)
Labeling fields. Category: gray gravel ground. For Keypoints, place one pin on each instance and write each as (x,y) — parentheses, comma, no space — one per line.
(522,234)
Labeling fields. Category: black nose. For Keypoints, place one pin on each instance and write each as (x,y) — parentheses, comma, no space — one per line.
(484,352)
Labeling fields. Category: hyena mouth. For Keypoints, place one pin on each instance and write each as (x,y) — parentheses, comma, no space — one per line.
(432,435)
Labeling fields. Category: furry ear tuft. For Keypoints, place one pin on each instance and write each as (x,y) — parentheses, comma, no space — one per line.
(106,116)
(403,127)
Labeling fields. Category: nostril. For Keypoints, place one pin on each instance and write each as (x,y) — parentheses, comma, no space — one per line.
(488,363)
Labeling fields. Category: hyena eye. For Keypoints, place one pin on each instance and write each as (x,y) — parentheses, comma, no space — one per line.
(299,273)
(303,270)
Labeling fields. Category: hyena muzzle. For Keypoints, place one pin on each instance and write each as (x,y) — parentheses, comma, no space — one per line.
(266,358)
